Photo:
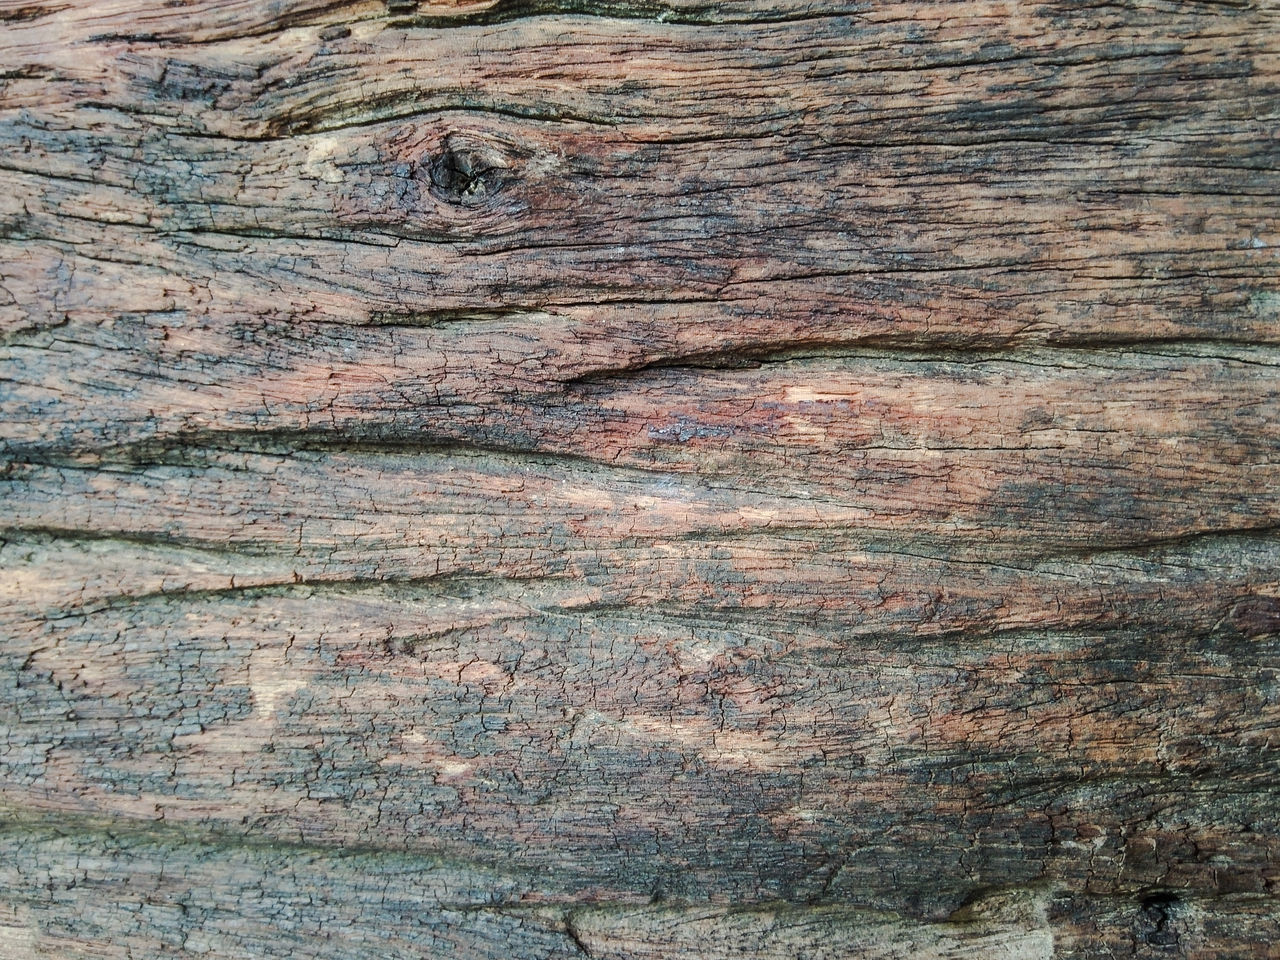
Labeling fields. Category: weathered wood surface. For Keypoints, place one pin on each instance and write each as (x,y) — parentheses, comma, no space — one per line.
(545,479)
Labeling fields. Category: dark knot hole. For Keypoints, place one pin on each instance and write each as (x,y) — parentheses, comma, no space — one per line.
(1158,919)
(466,172)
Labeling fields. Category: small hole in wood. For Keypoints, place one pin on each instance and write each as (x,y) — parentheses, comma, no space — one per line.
(466,172)
(1158,920)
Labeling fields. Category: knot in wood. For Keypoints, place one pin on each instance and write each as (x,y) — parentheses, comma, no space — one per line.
(467,170)
(1160,920)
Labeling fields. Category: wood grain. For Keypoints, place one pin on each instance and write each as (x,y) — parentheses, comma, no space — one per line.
(546,478)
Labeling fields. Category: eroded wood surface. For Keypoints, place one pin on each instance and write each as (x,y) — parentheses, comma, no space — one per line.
(639,479)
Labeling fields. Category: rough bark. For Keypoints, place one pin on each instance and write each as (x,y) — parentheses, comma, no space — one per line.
(546,478)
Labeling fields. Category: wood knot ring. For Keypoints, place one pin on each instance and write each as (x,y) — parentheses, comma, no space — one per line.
(466,171)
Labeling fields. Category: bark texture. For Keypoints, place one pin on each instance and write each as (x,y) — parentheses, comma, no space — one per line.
(625,479)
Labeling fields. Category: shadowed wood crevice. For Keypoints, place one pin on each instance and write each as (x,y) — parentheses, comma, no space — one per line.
(505,11)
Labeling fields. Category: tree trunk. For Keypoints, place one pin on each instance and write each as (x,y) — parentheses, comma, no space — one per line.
(637,479)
